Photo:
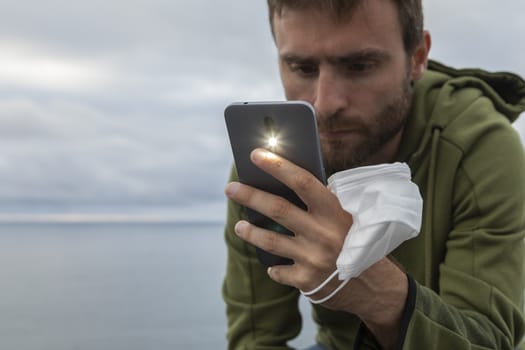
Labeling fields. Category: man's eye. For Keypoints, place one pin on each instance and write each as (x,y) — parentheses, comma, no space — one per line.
(359,67)
(304,68)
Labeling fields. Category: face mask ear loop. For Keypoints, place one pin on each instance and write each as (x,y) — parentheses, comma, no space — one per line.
(321,286)
(328,297)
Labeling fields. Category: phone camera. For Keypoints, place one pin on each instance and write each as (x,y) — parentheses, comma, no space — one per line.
(269,123)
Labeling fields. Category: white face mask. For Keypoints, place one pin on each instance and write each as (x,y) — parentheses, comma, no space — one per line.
(386,207)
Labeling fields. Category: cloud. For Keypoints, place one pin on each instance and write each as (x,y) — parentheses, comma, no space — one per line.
(114,109)
(25,65)
(76,159)
(117,107)
(480,33)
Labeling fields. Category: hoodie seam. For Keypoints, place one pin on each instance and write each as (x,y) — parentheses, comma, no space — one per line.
(475,196)
(475,228)
(429,209)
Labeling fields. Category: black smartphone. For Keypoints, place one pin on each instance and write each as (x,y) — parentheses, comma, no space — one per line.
(287,128)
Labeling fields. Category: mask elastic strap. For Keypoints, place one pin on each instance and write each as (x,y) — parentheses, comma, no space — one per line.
(321,286)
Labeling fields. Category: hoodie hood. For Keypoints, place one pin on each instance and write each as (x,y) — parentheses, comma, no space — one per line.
(506,90)
(467,99)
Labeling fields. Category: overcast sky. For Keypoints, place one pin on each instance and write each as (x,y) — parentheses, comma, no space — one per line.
(113,109)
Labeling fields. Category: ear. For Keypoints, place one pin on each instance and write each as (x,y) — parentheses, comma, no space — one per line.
(419,58)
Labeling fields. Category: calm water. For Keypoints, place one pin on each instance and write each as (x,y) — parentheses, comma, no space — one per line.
(114,286)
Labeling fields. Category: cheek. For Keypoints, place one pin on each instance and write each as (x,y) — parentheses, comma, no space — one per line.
(379,92)
(363,100)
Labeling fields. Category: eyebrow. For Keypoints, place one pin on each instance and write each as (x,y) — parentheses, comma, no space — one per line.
(361,55)
(354,56)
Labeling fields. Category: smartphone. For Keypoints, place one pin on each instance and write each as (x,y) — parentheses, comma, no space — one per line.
(286,128)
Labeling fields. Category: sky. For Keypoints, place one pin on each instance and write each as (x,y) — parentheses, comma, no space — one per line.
(113,110)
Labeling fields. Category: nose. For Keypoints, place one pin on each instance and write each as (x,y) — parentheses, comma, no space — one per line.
(329,93)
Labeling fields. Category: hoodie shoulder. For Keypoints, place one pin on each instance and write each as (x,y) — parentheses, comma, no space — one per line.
(461,103)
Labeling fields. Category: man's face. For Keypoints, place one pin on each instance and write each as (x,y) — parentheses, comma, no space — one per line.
(356,74)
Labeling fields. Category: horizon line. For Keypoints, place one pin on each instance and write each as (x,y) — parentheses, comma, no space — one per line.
(74,218)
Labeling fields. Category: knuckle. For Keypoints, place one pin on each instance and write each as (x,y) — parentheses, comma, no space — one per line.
(280,209)
(330,246)
(316,262)
(303,282)
(270,242)
(304,181)
(245,194)
(308,281)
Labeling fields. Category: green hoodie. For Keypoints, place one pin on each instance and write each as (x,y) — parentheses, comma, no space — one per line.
(467,264)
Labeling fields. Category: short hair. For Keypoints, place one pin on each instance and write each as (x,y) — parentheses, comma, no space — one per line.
(410,14)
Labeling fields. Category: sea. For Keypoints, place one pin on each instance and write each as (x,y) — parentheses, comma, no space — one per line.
(112,286)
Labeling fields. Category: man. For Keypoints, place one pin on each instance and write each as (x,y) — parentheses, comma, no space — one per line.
(459,284)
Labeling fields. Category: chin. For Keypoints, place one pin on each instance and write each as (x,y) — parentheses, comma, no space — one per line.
(345,156)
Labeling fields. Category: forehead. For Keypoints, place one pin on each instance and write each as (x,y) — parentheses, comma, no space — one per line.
(372,24)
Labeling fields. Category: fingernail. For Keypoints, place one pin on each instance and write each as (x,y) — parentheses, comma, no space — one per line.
(231,188)
(257,155)
(269,271)
(240,227)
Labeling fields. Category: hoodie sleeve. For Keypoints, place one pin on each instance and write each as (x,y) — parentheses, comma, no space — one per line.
(478,302)
(261,314)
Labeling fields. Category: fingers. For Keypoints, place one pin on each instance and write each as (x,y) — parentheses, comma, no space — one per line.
(270,241)
(296,277)
(283,274)
(272,206)
(311,191)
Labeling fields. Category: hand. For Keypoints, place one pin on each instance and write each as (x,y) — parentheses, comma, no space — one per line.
(319,231)
(377,296)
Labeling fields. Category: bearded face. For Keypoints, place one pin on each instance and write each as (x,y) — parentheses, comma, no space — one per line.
(365,136)
(356,74)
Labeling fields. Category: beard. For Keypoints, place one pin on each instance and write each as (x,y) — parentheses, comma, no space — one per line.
(368,136)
